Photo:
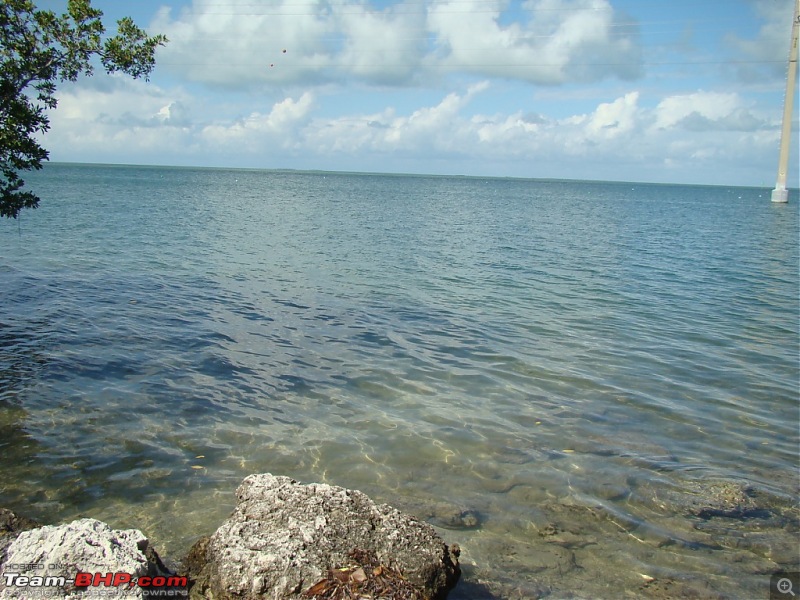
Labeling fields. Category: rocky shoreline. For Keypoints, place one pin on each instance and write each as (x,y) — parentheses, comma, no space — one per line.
(287,540)
(283,540)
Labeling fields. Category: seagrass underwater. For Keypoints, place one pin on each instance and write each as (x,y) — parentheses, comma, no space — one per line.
(590,387)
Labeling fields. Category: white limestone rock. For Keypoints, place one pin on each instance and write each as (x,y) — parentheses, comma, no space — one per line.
(283,537)
(85,545)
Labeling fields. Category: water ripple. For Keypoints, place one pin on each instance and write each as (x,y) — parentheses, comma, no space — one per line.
(562,362)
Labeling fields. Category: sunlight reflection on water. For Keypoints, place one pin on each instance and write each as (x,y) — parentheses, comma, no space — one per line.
(555,374)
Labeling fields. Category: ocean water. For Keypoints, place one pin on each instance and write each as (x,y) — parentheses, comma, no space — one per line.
(591,387)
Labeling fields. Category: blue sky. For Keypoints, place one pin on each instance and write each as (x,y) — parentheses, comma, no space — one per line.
(685,91)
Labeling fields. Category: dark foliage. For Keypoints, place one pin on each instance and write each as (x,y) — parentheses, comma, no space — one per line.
(39,49)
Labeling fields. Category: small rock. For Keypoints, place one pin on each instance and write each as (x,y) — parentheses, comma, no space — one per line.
(86,545)
(456,519)
(726,499)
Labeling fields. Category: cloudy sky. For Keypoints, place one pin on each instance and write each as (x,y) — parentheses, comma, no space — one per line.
(684,91)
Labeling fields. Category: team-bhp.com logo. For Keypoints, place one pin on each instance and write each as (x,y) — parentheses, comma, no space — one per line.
(83,580)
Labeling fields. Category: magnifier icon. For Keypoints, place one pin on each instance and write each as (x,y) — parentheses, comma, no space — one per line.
(785,586)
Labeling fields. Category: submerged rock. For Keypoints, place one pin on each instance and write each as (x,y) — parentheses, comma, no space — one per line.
(283,537)
(729,499)
(86,545)
(449,516)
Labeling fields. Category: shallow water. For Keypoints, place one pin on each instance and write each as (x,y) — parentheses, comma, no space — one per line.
(558,375)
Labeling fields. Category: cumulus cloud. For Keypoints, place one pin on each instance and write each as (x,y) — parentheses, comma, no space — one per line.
(620,133)
(129,121)
(707,111)
(114,118)
(381,46)
(254,131)
(119,102)
(243,45)
(436,128)
(236,44)
(556,42)
(176,113)
(613,119)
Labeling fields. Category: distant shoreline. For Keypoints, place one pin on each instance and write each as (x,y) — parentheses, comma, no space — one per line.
(793,190)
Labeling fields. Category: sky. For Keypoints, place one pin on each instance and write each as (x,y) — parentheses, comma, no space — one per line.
(684,91)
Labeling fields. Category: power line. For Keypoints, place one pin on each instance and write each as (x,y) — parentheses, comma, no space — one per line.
(326,65)
(427,35)
(656,3)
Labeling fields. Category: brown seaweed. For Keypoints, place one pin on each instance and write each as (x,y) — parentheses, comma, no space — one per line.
(364,579)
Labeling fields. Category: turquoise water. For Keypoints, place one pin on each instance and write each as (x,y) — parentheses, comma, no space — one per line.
(555,374)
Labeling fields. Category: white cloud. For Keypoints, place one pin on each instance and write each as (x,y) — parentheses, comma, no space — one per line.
(431,128)
(617,132)
(248,45)
(92,113)
(130,121)
(509,132)
(233,44)
(175,113)
(615,118)
(705,111)
(383,47)
(436,126)
(253,131)
(559,41)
